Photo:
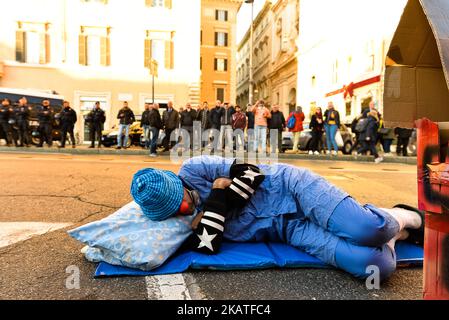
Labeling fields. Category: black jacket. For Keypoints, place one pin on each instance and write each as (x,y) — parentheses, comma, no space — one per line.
(4,113)
(327,118)
(370,132)
(155,119)
(314,125)
(215,117)
(187,118)
(226,116)
(96,117)
(170,120)
(145,120)
(68,116)
(126,116)
(203,117)
(22,113)
(277,120)
(251,120)
(45,115)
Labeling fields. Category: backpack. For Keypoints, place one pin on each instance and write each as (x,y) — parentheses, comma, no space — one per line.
(291,121)
(361,125)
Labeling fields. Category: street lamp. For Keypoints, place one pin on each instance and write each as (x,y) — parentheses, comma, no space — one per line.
(250,98)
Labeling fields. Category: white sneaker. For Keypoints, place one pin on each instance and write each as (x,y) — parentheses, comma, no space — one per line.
(316,153)
(153,155)
(378,160)
(311,152)
(334,153)
(328,152)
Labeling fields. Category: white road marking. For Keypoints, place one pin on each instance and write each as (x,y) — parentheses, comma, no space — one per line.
(12,232)
(167,287)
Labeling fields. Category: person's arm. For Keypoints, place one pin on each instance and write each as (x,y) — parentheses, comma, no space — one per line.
(133,118)
(208,226)
(75,116)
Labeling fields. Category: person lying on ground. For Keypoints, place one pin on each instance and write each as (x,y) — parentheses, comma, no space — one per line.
(278,203)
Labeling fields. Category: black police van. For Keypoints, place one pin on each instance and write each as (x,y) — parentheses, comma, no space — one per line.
(35,102)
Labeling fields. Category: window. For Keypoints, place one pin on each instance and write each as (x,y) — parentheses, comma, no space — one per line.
(221,39)
(160,47)
(221,15)
(33,43)
(94,47)
(159,3)
(220,94)
(348,108)
(221,64)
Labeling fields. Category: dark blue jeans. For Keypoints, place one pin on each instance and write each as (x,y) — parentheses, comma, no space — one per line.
(154,137)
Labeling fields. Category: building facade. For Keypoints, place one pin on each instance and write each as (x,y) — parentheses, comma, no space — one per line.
(218,50)
(284,69)
(343,61)
(261,59)
(100,50)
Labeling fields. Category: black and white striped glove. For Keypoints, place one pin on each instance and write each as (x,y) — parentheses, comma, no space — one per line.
(246,178)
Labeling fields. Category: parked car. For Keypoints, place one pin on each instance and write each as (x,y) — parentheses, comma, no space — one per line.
(109,137)
(306,137)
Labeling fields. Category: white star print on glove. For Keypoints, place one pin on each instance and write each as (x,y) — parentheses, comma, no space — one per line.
(206,240)
(251,175)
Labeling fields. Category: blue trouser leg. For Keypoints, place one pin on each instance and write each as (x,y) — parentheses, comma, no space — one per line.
(120,135)
(356,259)
(338,252)
(362,225)
(328,137)
(126,135)
(332,132)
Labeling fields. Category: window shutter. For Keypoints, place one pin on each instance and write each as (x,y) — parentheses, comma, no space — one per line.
(147,53)
(226,39)
(20,46)
(47,48)
(216,14)
(226,15)
(105,51)
(42,48)
(225,64)
(167,4)
(83,50)
(215,64)
(216,38)
(168,54)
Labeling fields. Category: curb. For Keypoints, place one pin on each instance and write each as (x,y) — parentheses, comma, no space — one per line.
(110,151)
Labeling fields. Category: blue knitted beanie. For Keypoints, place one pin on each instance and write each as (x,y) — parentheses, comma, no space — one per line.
(159,193)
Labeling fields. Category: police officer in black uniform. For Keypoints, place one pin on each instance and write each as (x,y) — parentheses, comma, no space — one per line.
(67,119)
(22,115)
(96,119)
(45,117)
(7,121)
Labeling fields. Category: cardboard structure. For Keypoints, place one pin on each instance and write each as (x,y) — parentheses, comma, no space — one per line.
(416,75)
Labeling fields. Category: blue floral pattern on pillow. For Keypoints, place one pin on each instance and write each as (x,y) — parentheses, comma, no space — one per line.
(128,238)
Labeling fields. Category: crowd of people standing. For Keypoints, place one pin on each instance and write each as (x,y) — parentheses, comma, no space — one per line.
(252,128)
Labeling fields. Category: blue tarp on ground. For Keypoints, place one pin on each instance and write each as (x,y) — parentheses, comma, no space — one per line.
(246,256)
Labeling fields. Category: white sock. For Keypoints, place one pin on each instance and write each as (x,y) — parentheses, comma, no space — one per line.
(402,235)
(405,218)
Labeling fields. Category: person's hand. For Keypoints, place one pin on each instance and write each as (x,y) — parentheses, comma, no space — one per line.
(197,220)
(222,183)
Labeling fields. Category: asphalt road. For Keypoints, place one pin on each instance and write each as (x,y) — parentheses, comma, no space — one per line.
(64,191)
